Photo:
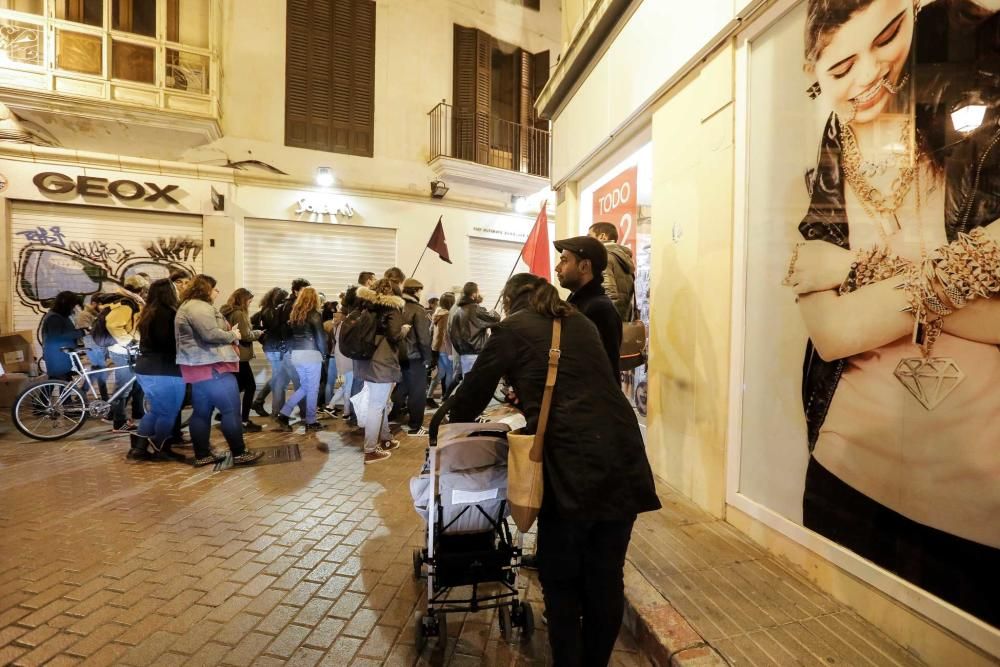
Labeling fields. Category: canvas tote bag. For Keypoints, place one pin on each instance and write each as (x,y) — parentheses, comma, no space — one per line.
(524,457)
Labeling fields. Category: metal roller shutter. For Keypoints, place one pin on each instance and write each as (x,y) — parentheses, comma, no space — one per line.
(490,264)
(90,249)
(329,256)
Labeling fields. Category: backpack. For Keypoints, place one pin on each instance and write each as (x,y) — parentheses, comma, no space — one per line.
(357,335)
(99,330)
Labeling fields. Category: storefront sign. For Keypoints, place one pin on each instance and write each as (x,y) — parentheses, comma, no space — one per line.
(616,202)
(500,232)
(54,183)
(322,206)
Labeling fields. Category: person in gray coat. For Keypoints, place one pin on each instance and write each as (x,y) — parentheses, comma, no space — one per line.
(209,361)
(619,275)
(382,371)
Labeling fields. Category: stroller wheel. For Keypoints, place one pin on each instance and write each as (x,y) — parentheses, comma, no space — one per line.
(430,626)
(418,563)
(506,623)
(527,621)
(420,633)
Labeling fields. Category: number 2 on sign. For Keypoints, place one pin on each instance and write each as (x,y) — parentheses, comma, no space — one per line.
(625,230)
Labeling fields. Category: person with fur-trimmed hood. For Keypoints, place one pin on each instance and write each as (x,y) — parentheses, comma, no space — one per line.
(382,371)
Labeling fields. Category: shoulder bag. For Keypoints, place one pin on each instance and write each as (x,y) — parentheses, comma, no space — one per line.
(525,480)
(633,348)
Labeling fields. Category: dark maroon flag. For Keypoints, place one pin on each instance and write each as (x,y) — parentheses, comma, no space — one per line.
(438,243)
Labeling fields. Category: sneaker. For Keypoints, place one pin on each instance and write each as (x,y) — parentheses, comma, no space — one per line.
(389,445)
(259,409)
(167,454)
(315,426)
(376,456)
(283,424)
(218,416)
(247,457)
(347,416)
(431,403)
(208,460)
(250,427)
(127,427)
(419,432)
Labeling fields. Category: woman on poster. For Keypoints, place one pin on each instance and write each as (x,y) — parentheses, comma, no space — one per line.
(896,283)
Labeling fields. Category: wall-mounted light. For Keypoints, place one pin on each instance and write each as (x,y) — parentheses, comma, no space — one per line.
(520,204)
(324,177)
(438,189)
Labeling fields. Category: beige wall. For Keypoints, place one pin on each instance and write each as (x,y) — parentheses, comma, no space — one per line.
(690,319)
(413,73)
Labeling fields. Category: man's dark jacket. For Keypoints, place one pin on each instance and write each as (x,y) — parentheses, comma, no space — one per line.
(417,344)
(469,326)
(592,301)
(595,461)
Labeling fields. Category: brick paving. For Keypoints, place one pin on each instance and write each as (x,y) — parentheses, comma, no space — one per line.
(304,563)
(748,606)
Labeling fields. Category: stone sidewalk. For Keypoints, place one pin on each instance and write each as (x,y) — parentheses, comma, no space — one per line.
(303,563)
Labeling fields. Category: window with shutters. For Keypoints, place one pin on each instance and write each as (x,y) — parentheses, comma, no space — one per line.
(330,76)
(155,53)
(492,120)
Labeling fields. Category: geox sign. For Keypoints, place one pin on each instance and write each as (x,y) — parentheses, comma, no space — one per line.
(54,183)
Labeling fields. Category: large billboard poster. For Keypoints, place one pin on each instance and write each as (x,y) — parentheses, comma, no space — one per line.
(871,412)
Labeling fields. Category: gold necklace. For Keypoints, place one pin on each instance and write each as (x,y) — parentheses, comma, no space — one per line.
(872,199)
(929,379)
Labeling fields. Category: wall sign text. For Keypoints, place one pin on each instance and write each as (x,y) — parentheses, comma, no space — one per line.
(55,183)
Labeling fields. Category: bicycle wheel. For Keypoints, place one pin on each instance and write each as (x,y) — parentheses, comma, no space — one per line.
(49,411)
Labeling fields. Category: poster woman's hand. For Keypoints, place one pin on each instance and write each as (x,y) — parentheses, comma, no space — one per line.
(817,266)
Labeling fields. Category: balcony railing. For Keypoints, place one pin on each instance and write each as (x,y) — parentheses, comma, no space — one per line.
(488,140)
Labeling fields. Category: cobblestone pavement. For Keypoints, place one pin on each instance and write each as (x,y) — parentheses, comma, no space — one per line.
(303,563)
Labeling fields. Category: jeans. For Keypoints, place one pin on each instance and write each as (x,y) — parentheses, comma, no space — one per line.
(166,395)
(99,359)
(343,395)
(377,419)
(282,372)
(308,366)
(247,385)
(330,389)
(415,380)
(444,372)
(221,393)
(467,361)
(580,567)
(123,375)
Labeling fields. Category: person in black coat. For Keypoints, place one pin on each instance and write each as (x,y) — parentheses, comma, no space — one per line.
(579,270)
(59,331)
(158,374)
(597,477)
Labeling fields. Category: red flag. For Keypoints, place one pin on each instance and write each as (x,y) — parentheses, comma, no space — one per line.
(535,252)
(437,242)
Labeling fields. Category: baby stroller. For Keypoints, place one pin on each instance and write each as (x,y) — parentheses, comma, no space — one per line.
(462,494)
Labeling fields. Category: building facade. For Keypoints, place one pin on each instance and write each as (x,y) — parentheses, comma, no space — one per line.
(261,141)
(726,127)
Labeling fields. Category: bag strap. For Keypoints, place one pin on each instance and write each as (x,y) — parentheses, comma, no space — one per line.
(550,383)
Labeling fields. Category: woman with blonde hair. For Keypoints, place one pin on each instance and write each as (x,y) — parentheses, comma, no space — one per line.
(309,349)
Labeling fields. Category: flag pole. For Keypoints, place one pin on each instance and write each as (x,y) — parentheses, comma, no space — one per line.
(512,269)
(414,271)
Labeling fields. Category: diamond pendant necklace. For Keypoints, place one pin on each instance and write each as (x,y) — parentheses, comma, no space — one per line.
(929,379)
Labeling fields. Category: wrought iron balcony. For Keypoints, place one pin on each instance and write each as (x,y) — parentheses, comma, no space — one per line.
(488,140)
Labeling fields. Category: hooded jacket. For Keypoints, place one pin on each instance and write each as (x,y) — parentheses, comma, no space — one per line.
(595,461)
(383,367)
(619,280)
(469,326)
(418,339)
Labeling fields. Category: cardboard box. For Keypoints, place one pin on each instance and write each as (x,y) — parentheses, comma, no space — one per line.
(17,353)
(11,385)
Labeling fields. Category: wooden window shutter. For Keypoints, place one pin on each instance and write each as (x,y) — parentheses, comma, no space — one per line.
(525,110)
(330,76)
(472,90)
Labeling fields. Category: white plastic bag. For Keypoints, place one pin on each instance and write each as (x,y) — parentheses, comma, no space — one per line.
(359,405)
